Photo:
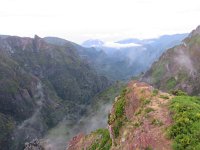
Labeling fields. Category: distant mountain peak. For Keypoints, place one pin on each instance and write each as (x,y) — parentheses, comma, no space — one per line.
(93,43)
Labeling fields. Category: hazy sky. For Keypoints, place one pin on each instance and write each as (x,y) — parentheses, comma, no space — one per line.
(79,20)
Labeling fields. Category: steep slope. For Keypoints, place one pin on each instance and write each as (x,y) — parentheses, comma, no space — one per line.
(178,67)
(41,84)
(145,118)
(94,118)
(138,120)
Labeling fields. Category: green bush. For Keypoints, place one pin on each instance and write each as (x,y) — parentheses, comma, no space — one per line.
(178,93)
(164,96)
(119,107)
(155,92)
(157,122)
(149,109)
(118,118)
(146,101)
(185,129)
(171,83)
(118,125)
(104,143)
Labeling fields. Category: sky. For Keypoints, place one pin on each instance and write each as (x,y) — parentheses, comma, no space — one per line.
(107,20)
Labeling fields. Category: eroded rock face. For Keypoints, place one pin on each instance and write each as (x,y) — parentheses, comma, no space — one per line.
(141,125)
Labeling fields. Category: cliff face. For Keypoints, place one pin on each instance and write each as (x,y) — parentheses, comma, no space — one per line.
(41,83)
(178,67)
(138,120)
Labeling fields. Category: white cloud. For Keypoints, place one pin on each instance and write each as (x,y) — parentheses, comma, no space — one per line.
(72,19)
(118,45)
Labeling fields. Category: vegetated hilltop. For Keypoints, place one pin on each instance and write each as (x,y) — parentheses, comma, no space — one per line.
(41,83)
(178,67)
(145,118)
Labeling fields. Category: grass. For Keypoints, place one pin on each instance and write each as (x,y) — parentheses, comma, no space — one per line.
(178,93)
(185,129)
(164,96)
(146,101)
(138,112)
(138,124)
(104,143)
(158,72)
(171,83)
(118,117)
(157,122)
(155,92)
(148,110)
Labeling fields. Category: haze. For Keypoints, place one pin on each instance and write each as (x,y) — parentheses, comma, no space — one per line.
(110,20)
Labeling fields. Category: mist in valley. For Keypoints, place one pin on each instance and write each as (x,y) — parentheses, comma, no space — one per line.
(95,118)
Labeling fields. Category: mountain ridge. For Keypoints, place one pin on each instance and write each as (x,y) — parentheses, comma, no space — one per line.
(42,84)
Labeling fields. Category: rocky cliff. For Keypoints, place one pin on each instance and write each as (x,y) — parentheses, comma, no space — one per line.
(137,120)
(144,118)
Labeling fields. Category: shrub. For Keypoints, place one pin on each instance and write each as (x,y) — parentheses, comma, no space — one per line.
(164,97)
(157,122)
(104,142)
(119,107)
(185,129)
(118,117)
(171,83)
(116,128)
(178,93)
(146,101)
(149,109)
(155,92)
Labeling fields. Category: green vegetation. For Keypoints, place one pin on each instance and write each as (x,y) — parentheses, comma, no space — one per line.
(103,143)
(139,111)
(178,93)
(148,148)
(164,96)
(171,83)
(146,101)
(158,72)
(6,127)
(119,106)
(118,125)
(185,129)
(157,122)
(118,117)
(138,123)
(155,92)
(148,110)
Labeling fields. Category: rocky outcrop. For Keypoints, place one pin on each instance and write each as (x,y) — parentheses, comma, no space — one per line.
(138,120)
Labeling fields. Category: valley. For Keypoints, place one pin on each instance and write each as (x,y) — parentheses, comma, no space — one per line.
(56,94)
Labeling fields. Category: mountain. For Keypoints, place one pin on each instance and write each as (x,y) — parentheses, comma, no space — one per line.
(178,67)
(93,43)
(145,118)
(130,57)
(41,84)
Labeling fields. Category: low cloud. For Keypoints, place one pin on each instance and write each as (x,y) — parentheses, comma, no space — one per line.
(118,45)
